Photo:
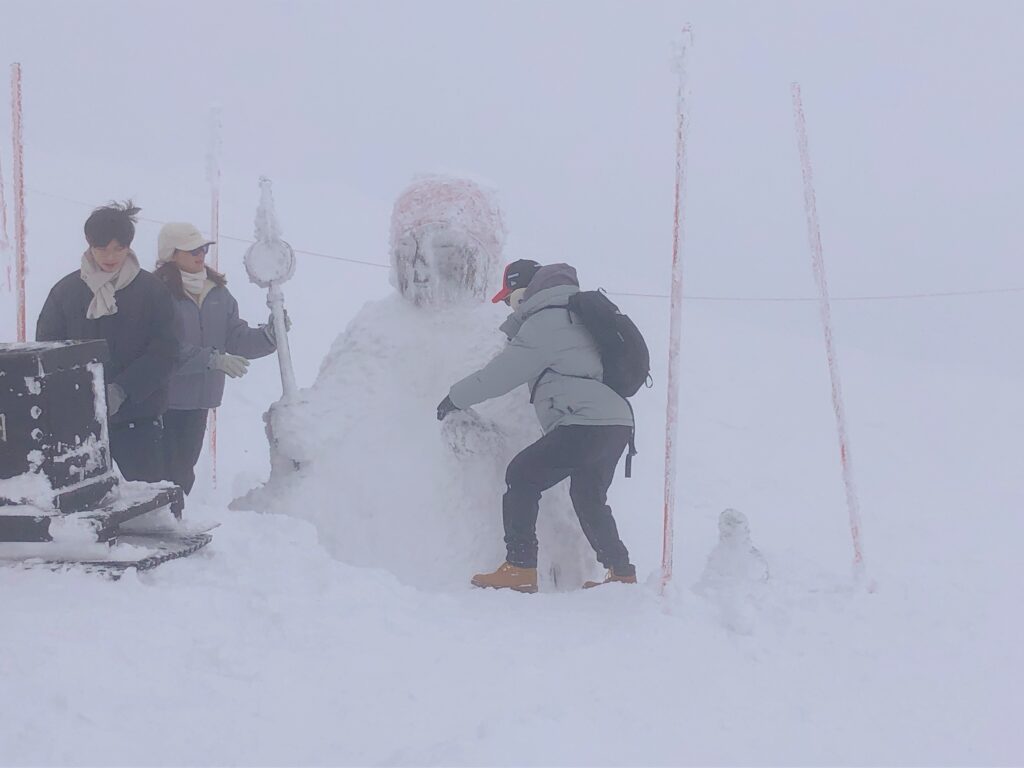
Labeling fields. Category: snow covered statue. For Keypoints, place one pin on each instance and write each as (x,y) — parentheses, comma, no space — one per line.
(361,454)
(736,574)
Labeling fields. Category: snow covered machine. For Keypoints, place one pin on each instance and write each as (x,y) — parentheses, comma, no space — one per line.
(60,501)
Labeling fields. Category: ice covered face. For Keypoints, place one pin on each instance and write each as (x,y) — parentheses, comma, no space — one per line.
(733,526)
(110,257)
(436,266)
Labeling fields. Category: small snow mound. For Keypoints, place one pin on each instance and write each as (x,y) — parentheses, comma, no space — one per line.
(735,574)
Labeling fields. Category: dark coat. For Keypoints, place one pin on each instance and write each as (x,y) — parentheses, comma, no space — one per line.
(201,331)
(140,337)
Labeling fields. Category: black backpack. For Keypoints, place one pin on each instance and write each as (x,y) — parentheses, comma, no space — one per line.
(624,354)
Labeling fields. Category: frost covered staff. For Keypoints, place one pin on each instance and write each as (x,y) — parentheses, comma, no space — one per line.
(214,342)
(586,424)
(111,297)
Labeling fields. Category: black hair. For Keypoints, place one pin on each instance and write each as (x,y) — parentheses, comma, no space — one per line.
(112,222)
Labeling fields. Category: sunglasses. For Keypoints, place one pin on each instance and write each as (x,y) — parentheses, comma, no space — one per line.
(200,251)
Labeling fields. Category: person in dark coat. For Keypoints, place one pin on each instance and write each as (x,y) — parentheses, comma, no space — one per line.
(111,297)
(587,425)
(214,342)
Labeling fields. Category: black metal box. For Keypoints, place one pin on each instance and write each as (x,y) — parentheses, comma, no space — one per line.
(54,447)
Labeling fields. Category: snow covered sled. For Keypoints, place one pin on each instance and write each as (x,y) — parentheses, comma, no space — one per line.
(61,504)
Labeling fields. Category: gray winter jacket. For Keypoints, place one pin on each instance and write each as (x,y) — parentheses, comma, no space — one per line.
(201,331)
(545,344)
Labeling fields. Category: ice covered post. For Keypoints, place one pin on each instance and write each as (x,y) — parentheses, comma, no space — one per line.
(676,313)
(825,311)
(19,194)
(5,241)
(213,178)
(270,262)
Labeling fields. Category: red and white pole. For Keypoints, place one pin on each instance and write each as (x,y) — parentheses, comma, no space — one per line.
(824,306)
(676,314)
(19,195)
(213,177)
(5,241)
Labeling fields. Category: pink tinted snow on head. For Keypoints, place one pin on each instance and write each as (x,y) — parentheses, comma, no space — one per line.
(446,242)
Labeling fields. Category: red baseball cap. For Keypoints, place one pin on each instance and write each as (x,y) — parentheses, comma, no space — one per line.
(517,275)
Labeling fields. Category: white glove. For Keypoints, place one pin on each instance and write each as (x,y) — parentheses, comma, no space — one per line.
(115,398)
(234,366)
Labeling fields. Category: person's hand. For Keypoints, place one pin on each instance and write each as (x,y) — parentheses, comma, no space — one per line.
(115,398)
(234,366)
(271,333)
(287,321)
(445,407)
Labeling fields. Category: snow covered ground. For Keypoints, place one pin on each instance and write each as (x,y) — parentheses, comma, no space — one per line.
(266,650)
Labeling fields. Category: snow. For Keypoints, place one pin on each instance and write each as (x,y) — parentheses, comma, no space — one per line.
(128,493)
(385,484)
(99,391)
(32,487)
(446,241)
(269,260)
(323,637)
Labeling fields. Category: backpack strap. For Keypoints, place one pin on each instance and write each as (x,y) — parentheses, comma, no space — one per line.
(632,442)
(632,434)
(536,383)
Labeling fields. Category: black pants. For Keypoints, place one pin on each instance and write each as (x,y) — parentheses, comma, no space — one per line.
(137,448)
(588,456)
(183,442)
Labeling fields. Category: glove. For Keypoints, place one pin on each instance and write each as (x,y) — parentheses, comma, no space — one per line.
(234,366)
(269,327)
(445,407)
(115,398)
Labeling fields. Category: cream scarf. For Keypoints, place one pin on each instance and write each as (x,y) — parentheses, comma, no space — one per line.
(196,285)
(104,285)
(193,282)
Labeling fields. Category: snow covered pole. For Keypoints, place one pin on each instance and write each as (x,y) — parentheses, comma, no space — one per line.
(269,262)
(275,299)
(19,195)
(825,311)
(676,313)
(213,177)
(5,241)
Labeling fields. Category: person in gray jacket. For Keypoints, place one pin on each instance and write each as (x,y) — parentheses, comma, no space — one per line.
(586,424)
(213,340)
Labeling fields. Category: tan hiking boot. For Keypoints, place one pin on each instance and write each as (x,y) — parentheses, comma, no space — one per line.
(612,577)
(508,576)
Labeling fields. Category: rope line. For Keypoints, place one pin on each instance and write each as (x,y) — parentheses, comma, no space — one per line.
(248,241)
(799,299)
(738,299)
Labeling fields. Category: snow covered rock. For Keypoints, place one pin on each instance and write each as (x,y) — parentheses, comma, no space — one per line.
(735,574)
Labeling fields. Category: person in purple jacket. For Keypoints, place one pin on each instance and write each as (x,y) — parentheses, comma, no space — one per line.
(214,342)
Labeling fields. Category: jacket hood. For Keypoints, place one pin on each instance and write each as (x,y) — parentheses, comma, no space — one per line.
(551,286)
(550,276)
